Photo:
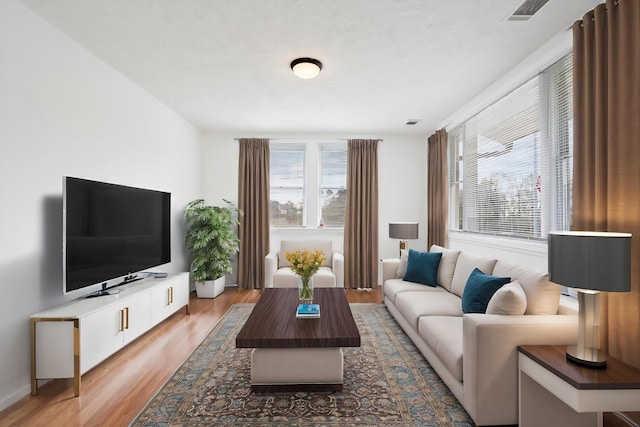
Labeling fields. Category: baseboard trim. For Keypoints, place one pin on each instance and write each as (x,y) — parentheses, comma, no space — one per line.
(12,398)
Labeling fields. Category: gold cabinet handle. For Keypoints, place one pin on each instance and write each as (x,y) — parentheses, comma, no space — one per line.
(121,320)
(171,293)
(126,309)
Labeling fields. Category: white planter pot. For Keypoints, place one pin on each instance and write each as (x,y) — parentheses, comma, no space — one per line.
(210,288)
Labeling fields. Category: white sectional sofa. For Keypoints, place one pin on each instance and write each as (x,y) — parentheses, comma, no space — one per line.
(475,354)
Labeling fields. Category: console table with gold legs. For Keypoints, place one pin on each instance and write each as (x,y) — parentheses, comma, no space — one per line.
(70,339)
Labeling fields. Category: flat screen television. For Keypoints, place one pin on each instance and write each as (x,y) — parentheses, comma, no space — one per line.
(112,232)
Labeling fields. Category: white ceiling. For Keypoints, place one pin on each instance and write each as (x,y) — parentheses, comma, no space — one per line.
(224,64)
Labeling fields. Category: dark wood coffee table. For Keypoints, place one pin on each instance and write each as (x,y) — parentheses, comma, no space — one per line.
(298,354)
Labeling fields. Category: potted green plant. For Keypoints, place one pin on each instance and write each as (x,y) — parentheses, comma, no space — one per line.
(213,241)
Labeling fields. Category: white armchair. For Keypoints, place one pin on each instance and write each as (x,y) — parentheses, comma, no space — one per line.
(278,273)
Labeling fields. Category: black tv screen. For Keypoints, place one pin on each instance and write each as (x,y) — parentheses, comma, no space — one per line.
(111,232)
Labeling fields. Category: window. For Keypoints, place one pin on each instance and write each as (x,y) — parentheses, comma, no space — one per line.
(287,184)
(308,183)
(333,184)
(511,164)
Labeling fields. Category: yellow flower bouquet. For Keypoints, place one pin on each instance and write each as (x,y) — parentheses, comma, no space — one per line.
(305,264)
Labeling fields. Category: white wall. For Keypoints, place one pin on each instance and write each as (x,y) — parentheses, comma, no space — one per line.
(65,112)
(402,175)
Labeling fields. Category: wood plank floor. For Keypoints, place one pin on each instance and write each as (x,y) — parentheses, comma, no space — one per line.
(115,391)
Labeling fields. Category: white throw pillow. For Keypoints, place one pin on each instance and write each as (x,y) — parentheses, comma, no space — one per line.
(509,299)
(447,265)
(543,296)
(402,267)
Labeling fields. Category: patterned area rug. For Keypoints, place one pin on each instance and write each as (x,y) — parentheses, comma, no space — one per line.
(387,382)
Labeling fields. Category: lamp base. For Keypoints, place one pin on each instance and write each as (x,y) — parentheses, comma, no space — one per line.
(587,356)
(403,246)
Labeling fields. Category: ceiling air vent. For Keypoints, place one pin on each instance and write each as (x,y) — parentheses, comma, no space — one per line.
(527,9)
(412,122)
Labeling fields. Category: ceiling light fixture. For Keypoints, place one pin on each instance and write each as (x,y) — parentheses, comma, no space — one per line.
(306,68)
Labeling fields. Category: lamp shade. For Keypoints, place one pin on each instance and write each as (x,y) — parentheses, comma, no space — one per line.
(403,230)
(599,261)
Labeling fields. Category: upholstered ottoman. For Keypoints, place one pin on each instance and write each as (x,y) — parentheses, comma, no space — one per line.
(317,366)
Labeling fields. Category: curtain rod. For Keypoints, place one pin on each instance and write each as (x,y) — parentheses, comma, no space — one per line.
(312,138)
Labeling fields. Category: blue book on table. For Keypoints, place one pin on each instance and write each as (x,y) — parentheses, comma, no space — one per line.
(308,310)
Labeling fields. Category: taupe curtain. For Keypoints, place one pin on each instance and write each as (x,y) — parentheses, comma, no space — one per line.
(253,200)
(361,221)
(438,189)
(606,161)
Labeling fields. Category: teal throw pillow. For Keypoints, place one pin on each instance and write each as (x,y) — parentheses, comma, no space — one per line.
(422,267)
(479,289)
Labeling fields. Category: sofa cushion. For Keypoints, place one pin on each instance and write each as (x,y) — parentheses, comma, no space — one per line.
(479,289)
(413,305)
(312,245)
(509,299)
(422,267)
(464,266)
(443,335)
(447,265)
(393,287)
(286,278)
(543,296)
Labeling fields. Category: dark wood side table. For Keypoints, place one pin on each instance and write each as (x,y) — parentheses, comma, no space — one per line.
(556,392)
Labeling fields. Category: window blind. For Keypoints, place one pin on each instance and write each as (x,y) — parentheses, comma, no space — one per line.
(287,184)
(511,163)
(333,184)
(560,138)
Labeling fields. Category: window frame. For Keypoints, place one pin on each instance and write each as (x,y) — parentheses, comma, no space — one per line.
(312,178)
(551,80)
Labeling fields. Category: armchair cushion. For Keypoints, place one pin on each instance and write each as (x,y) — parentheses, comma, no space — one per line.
(337,265)
(312,245)
(286,278)
(270,268)
(278,273)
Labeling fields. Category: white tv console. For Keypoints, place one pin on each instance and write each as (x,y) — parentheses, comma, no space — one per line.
(70,339)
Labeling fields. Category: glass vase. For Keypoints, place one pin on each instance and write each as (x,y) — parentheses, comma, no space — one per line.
(305,290)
